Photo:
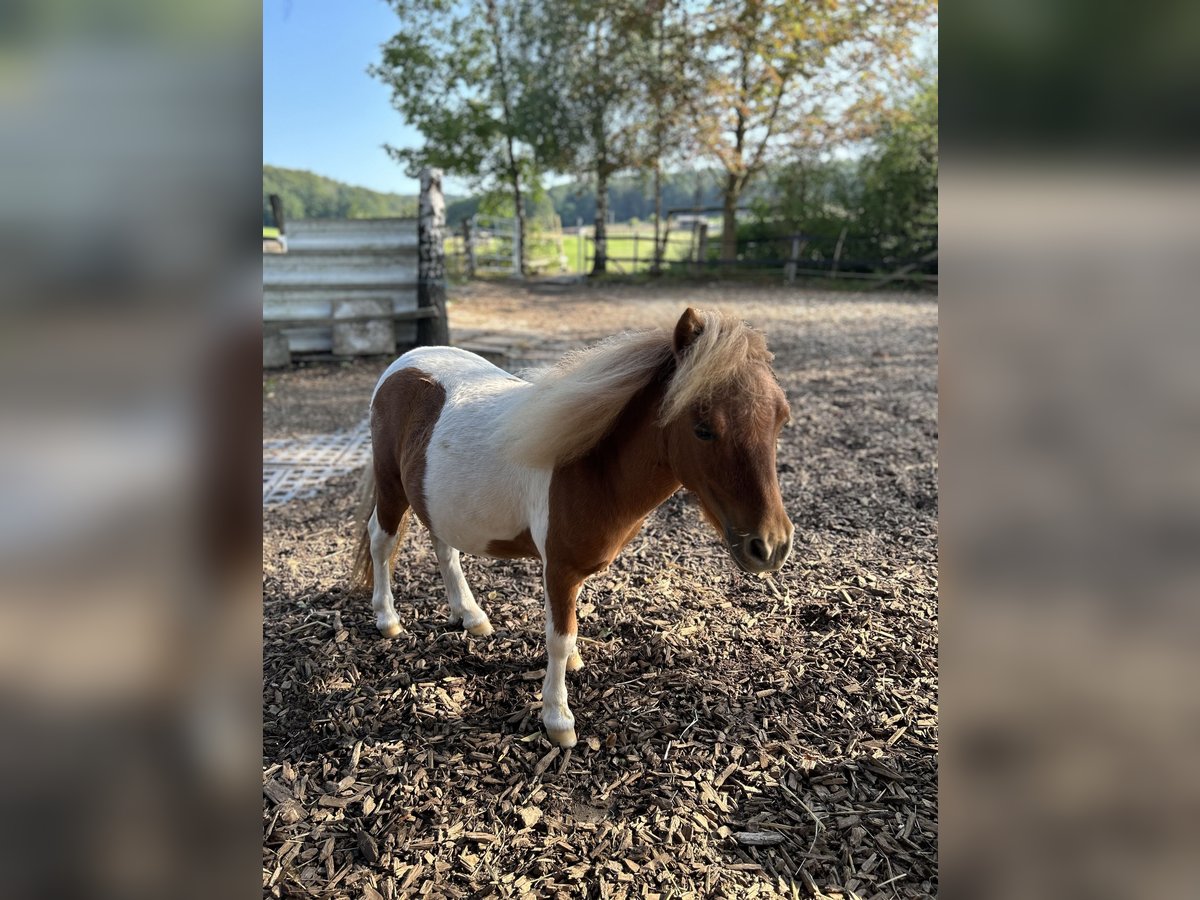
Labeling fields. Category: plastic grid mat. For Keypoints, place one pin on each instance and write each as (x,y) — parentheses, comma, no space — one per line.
(297,468)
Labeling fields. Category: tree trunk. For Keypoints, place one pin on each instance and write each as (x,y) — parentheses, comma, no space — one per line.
(514,173)
(431,261)
(600,262)
(733,191)
(656,267)
(519,237)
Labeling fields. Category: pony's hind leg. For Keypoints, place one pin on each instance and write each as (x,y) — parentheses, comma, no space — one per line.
(463,607)
(383,545)
(386,528)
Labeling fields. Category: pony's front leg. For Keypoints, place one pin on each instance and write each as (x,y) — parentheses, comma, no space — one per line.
(561,591)
(463,607)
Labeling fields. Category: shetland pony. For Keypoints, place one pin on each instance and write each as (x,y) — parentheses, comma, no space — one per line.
(565,468)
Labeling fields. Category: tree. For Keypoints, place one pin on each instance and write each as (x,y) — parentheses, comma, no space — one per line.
(587,95)
(456,74)
(900,178)
(765,72)
(666,85)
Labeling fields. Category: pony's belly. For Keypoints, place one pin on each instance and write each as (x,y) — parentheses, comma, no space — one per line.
(472,530)
(476,499)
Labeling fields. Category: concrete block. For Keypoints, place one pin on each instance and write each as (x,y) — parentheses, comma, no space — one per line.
(363,338)
(276,353)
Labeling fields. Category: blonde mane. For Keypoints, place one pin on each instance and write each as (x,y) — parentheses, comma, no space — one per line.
(573,405)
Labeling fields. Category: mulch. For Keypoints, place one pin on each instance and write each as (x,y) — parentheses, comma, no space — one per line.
(739,736)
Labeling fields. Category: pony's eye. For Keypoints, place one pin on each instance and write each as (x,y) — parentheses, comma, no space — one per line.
(704,432)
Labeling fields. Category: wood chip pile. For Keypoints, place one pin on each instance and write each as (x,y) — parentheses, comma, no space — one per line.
(738,737)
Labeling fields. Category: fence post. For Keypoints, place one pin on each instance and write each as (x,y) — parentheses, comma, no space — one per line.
(468,247)
(518,269)
(837,254)
(793,260)
(660,249)
(277,212)
(431,260)
(701,246)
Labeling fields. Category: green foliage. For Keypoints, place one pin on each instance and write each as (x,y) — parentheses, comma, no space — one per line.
(455,76)
(882,208)
(309,196)
(900,179)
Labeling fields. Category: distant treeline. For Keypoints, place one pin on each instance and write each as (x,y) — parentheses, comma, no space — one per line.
(306,195)
(629,197)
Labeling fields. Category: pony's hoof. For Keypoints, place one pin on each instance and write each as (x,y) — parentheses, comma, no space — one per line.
(564,737)
(574,662)
(389,630)
(480,629)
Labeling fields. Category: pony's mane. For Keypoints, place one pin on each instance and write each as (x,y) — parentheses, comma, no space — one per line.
(573,405)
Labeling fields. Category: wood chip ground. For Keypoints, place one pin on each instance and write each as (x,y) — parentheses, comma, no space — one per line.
(711,706)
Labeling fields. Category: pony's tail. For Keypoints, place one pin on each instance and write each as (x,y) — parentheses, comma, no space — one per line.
(362,576)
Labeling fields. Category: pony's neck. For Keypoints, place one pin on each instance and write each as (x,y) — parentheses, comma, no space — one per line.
(630,464)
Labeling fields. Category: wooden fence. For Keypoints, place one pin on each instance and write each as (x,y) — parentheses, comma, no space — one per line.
(357,287)
(689,243)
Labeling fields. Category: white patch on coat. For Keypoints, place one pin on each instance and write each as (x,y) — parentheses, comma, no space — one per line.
(474,493)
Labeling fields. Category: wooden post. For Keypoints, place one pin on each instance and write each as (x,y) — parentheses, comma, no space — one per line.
(837,254)
(702,246)
(518,249)
(635,250)
(431,260)
(277,212)
(579,243)
(793,260)
(660,248)
(468,247)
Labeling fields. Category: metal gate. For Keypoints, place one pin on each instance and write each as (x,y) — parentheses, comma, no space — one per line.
(493,245)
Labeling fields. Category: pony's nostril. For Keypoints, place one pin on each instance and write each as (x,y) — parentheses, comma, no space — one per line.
(757,550)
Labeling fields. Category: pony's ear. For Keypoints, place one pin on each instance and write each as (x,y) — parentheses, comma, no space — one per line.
(687,329)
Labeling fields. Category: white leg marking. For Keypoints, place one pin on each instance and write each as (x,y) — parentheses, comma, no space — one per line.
(556,714)
(382,543)
(463,607)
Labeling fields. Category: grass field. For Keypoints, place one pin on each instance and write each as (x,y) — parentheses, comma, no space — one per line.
(623,250)
(627,254)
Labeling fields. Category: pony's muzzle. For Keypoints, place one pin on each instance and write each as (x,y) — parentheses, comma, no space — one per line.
(759,553)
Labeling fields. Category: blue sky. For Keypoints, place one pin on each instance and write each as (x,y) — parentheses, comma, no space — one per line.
(315,58)
(322,111)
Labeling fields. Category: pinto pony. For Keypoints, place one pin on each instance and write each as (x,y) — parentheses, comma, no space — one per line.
(567,467)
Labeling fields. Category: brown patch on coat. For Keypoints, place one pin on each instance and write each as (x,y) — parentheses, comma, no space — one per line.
(519,547)
(599,501)
(406,408)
